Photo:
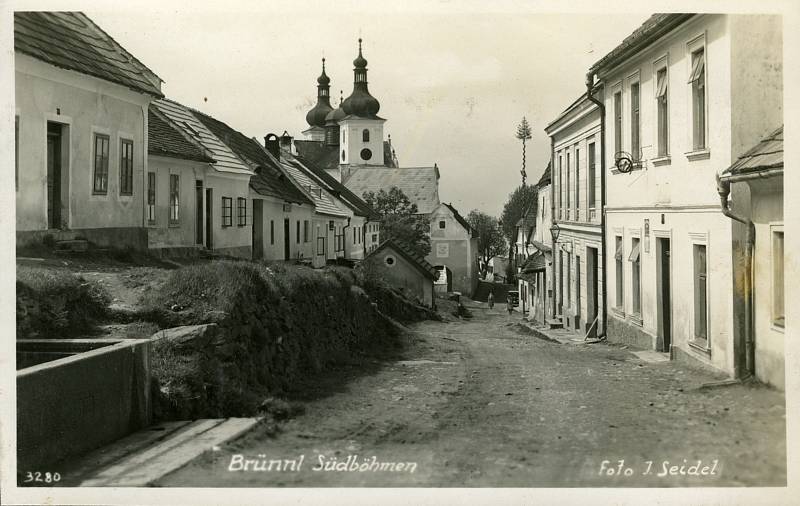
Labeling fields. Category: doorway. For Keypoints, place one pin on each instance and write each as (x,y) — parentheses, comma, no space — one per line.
(258,229)
(198,224)
(209,217)
(560,286)
(286,239)
(55,162)
(664,294)
(577,292)
(592,290)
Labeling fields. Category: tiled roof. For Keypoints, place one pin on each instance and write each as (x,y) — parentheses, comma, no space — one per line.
(654,27)
(164,139)
(227,161)
(422,265)
(460,219)
(324,202)
(70,40)
(339,190)
(317,152)
(533,263)
(269,179)
(766,155)
(420,184)
(545,179)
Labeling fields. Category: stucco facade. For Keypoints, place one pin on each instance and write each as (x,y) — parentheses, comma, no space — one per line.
(536,287)
(401,272)
(663,220)
(75,108)
(453,246)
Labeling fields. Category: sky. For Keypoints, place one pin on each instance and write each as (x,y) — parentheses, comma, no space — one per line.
(453,85)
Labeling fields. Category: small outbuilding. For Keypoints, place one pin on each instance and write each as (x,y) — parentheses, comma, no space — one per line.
(402,268)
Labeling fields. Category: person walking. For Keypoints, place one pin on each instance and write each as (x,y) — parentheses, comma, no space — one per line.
(491,299)
(509,305)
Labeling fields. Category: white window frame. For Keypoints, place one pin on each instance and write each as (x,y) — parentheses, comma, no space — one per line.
(701,239)
(692,154)
(627,267)
(627,106)
(617,88)
(660,64)
(773,229)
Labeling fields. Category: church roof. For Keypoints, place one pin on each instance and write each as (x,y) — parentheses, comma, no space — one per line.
(269,179)
(167,139)
(70,40)
(420,184)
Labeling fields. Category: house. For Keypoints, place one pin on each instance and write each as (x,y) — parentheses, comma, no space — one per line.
(760,208)
(454,248)
(174,220)
(575,137)
(393,262)
(683,97)
(523,249)
(279,206)
(536,273)
(81,123)
(222,212)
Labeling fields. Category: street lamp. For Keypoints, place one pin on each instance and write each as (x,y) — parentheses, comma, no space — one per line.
(555,230)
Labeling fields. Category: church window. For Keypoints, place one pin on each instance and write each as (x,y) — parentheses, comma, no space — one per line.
(366,154)
(365,135)
(342,155)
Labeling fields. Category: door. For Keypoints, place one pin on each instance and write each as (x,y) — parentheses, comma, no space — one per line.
(577,292)
(198,224)
(209,217)
(592,293)
(53,175)
(286,239)
(560,287)
(258,229)
(664,339)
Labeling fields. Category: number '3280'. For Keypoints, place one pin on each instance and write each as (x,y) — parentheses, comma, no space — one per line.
(40,477)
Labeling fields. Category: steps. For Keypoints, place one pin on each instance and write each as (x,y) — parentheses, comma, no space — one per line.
(554,324)
(145,456)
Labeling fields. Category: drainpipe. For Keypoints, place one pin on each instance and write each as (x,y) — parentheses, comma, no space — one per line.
(144,169)
(724,189)
(553,220)
(344,238)
(602,107)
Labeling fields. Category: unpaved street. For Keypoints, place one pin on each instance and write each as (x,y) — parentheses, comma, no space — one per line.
(479,403)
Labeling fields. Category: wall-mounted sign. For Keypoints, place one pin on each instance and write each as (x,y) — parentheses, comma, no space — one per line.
(442,250)
(647,235)
(287,208)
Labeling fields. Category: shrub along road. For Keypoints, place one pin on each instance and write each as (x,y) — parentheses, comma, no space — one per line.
(475,403)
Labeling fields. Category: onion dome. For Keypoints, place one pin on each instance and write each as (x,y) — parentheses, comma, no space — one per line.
(360,102)
(336,115)
(316,116)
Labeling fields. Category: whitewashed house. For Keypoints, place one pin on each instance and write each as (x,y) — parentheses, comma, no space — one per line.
(81,114)
(535,276)
(684,96)
(454,249)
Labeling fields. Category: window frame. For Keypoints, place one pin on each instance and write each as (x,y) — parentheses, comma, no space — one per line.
(272,232)
(107,138)
(591,174)
(619,266)
(577,182)
(152,188)
(241,211)
(778,321)
(693,46)
(700,343)
(636,277)
(125,169)
(227,212)
(619,124)
(635,109)
(365,135)
(306,231)
(662,111)
(174,207)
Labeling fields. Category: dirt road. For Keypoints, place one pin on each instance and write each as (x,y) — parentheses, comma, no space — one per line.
(478,403)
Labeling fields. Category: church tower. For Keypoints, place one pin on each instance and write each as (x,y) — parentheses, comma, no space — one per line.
(316,116)
(361,130)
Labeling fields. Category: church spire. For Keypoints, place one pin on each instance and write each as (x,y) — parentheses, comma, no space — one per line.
(360,102)
(316,116)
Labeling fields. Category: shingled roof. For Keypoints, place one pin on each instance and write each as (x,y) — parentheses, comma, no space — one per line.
(269,180)
(767,155)
(422,265)
(420,184)
(545,179)
(339,190)
(317,152)
(165,139)
(70,40)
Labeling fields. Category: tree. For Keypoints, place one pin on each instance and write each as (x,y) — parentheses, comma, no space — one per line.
(521,201)
(399,219)
(491,242)
(523,134)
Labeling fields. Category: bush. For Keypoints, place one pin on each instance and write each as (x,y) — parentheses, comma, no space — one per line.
(56,304)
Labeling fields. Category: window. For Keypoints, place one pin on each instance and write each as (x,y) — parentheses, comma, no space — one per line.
(272,232)
(590,176)
(100,185)
(366,154)
(567,187)
(343,155)
(636,271)
(700,294)
(125,167)
(343,139)
(227,211)
(577,183)
(305,231)
(151,197)
(174,198)
(297,234)
(778,313)
(662,112)
(16,152)
(442,224)
(365,135)
(635,146)
(618,122)
(569,279)
(618,263)
(355,231)
(560,185)
(241,211)
(697,79)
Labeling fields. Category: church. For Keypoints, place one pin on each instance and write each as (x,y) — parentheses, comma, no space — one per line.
(348,142)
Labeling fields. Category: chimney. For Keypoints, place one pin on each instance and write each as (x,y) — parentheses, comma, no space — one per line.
(286,142)
(272,143)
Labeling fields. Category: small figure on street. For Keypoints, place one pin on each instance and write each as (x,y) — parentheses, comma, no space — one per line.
(509,305)
(491,299)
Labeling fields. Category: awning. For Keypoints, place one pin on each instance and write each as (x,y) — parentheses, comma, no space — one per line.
(634,256)
(661,84)
(697,67)
(618,254)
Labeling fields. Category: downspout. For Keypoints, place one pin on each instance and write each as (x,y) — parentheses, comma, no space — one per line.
(344,239)
(724,189)
(144,172)
(552,221)
(602,107)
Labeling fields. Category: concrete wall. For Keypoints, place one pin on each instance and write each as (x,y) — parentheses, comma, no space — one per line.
(234,240)
(162,233)
(85,105)
(397,271)
(70,406)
